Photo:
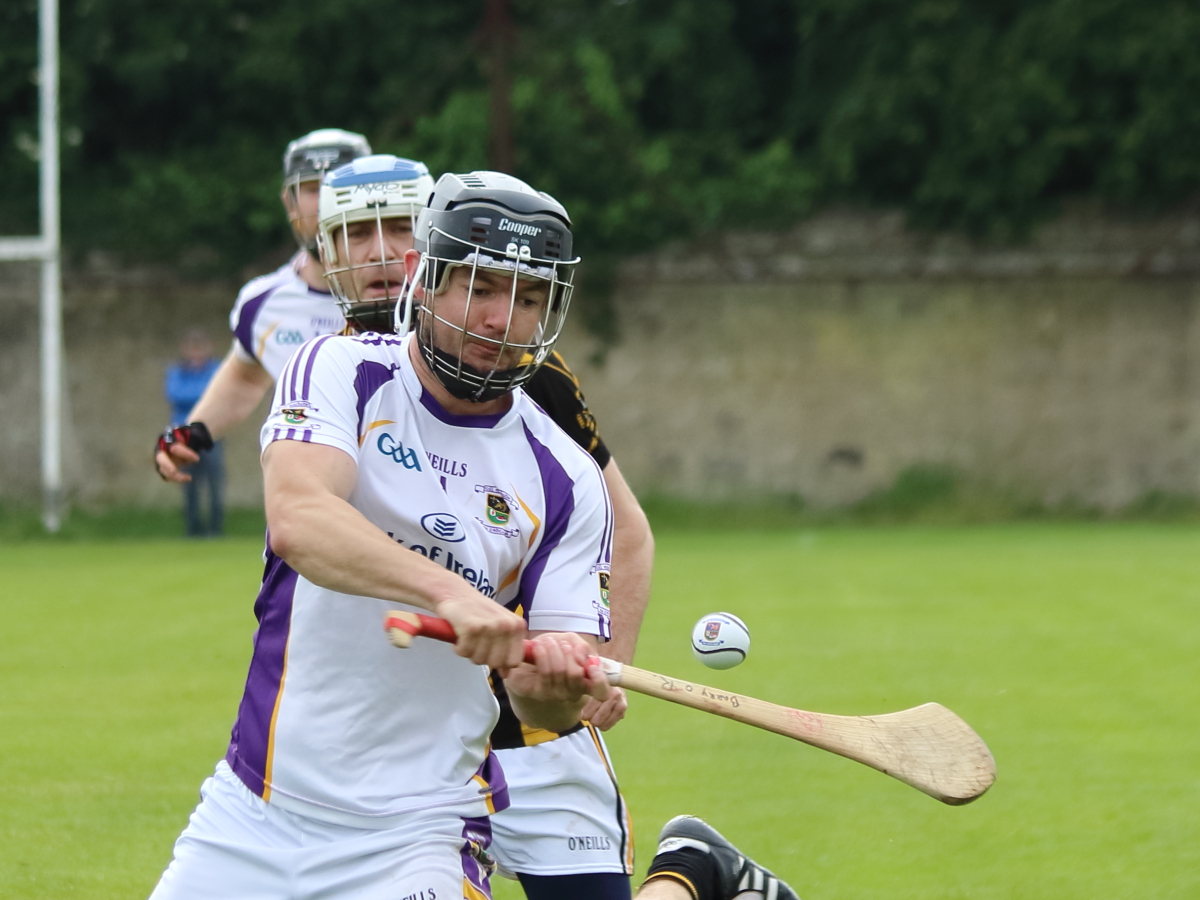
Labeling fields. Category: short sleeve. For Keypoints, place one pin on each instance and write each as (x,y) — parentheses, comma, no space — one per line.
(564,586)
(315,397)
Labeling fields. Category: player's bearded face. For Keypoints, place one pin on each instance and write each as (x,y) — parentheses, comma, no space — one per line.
(485,322)
(373,252)
(301,204)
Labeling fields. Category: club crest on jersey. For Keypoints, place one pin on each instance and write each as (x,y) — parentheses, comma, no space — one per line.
(497,511)
(297,412)
(712,631)
(603,588)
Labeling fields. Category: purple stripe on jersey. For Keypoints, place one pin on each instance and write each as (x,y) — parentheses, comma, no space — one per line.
(605,556)
(249,312)
(439,412)
(477,837)
(557,487)
(307,439)
(493,774)
(250,741)
(308,366)
(369,377)
(291,435)
(289,394)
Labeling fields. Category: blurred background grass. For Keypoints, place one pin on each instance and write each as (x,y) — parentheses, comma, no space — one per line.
(922,494)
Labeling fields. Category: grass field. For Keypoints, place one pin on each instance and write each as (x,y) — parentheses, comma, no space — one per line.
(1072,648)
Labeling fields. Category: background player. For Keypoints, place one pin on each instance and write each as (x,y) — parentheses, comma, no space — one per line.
(353,770)
(566,832)
(274,314)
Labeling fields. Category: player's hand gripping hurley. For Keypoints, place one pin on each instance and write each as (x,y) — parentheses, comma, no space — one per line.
(927,747)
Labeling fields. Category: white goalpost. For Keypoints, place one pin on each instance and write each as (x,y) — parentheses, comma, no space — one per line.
(46,249)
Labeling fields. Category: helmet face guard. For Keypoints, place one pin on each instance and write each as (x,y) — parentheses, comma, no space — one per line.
(367,211)
(445,313)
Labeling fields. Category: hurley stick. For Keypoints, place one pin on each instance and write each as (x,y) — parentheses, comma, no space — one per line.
(927,747)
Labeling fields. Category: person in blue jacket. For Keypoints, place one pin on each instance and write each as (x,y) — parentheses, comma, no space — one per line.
(185,383)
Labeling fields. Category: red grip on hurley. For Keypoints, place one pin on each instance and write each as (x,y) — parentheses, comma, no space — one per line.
(402,627)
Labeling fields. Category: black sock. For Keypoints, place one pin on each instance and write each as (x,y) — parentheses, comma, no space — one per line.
(694,869)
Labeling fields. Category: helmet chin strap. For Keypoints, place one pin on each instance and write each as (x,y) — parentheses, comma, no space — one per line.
(490,385)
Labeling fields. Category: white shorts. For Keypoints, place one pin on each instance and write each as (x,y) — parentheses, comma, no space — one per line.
(237,845)
(566,815)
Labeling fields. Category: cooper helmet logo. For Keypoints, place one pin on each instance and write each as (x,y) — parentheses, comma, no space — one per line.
(498,511)
(712,631)
(444,527)
(518,227)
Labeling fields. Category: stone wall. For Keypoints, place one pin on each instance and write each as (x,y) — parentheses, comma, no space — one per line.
(121,330)
(826,360)
(820,361)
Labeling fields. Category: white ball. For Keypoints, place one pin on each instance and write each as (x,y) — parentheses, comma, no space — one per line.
(720,640)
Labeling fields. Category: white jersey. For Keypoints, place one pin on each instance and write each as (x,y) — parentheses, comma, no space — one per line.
(335,723)
(275,314)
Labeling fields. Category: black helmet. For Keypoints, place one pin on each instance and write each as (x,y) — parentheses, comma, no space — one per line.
(489,221)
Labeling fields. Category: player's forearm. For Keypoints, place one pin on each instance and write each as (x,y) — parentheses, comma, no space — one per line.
(236,389)
(552,715)
(335,547)
(542,694)
(632,565)
(332,544)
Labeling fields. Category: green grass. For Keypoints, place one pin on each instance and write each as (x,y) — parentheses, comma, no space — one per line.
(1071,648)
(24,523)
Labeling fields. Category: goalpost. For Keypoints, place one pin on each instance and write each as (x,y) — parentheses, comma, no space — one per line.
(46,249)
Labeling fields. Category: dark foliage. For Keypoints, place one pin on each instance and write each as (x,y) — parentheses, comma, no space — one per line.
(650,119)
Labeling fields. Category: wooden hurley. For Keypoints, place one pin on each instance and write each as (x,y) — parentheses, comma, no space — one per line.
(927,747)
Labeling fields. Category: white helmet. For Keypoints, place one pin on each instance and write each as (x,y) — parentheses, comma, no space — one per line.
(308,158)
(485,221)
(371,189)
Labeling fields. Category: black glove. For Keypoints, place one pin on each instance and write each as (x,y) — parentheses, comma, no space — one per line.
(196,436)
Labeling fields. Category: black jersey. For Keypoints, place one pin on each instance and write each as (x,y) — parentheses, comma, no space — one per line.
(555,389)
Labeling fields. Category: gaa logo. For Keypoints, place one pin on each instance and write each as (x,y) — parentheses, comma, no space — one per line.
(712,631)
(603,588)
(444,527)
(400,454)
(498,510)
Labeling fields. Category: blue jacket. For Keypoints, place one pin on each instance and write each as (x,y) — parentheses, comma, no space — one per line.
(185,385)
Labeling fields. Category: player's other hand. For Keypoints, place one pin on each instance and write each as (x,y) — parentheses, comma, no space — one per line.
(177,448)
(565,669)
(488,634)
(170,462)
(604,714)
